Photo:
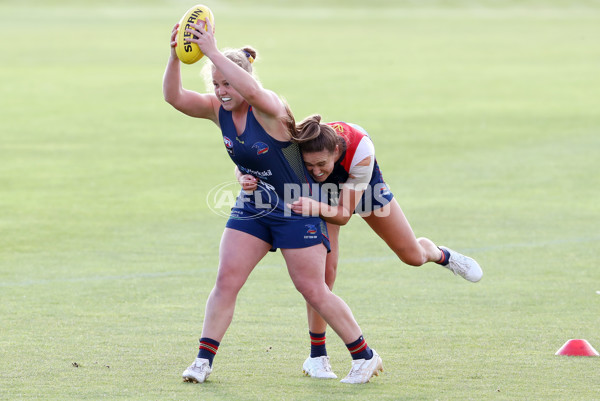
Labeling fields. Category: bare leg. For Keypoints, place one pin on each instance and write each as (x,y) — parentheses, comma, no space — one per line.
(239,253)
(392,226)
(306,267)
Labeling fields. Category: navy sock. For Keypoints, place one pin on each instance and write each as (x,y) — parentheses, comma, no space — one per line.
(317,344)
(359,349)
(208,349)
(445,257)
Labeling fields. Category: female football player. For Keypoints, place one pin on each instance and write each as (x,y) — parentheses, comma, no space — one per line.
(341,156)
(257,127)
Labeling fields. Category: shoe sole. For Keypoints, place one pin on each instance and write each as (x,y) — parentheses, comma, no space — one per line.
(187,379)
(306,373)
(377,370)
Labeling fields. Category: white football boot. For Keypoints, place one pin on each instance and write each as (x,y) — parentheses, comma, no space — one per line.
(198,371)
(318,367)
(464,266)
(363,369)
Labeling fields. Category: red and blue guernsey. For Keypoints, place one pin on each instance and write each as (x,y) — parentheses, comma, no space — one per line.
(357,147)
(282,177)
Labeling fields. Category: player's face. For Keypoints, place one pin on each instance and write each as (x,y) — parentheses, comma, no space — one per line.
(320,164)
(229,97)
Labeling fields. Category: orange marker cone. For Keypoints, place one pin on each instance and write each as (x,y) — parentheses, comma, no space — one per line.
(577,348)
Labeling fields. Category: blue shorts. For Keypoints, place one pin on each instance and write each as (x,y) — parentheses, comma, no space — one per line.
(376,195)
(281,233)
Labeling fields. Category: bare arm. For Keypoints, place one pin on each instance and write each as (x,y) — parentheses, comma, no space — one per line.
(188,102)
(339,214)
(267,106)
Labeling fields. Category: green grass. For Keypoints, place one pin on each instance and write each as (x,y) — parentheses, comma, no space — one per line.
(485,119)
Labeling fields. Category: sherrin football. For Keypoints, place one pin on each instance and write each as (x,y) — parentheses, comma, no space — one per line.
(188,52)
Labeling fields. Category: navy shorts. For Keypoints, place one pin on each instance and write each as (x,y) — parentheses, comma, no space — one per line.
(376,195)
(280,233)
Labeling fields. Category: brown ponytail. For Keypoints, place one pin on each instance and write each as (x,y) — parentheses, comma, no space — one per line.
(312,136)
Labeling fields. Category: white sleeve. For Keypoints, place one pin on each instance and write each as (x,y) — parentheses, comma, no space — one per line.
(360,176)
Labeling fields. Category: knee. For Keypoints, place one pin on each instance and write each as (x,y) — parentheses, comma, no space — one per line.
(313,293)
(413,255)
(228,284)
(413,260)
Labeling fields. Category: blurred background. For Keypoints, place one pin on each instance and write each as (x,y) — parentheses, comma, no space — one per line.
(485,120)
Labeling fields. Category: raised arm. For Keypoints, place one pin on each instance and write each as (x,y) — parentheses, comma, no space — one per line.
(267,106)
(188,102)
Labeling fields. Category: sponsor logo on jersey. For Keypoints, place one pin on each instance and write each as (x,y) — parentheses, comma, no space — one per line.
(261,148)
(260,174)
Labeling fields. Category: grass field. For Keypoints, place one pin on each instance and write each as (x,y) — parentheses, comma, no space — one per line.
(486,121)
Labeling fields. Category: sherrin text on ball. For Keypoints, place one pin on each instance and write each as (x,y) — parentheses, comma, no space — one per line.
(186,51)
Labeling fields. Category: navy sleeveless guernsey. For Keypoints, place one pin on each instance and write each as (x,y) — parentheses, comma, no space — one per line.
(281,173)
